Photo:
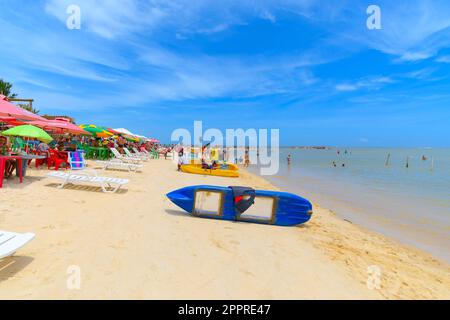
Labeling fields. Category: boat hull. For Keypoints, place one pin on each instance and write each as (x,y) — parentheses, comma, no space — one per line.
(231,171)
(271,207)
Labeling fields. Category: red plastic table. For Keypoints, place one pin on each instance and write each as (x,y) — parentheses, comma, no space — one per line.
(3,164)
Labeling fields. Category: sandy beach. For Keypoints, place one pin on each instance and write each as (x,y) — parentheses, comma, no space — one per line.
(136,244)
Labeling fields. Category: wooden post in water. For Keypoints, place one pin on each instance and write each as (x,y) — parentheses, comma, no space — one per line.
(387,159)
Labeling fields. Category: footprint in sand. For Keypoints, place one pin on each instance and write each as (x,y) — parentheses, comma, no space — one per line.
(219,244)
(235,242)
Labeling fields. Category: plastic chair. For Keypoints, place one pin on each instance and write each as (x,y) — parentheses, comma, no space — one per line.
(76,160)
(56,160)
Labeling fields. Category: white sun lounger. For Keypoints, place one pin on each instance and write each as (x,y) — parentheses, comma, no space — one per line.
(10,242)
(145,154)
(119,156)
(108,184)
(119,164)
(135,155)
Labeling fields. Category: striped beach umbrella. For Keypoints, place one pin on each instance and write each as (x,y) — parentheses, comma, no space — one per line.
(98,132)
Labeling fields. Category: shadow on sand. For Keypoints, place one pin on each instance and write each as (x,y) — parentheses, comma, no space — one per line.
(113,169)
(13,181)
(10,266)
(83,188)
(180,213)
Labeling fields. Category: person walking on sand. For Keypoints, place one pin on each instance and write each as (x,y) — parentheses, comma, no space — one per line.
(246,159)
(289,159)
(180,160)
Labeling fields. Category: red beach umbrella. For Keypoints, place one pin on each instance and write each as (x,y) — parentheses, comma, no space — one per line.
(11,121)
(59,126)
(7,109)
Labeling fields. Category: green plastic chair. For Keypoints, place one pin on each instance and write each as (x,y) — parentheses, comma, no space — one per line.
(18,143)
(103,153)
(90,152)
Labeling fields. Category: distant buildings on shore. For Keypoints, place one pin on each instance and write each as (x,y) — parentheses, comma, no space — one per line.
(312,147)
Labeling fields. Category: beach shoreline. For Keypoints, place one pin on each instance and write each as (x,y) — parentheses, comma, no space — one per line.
(137,245)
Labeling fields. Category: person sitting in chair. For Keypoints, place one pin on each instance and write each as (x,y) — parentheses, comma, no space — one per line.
(43,147)
(205,165)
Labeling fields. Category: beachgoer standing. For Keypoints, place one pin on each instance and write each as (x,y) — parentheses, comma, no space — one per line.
(246,159)
(180,161)
(289,159)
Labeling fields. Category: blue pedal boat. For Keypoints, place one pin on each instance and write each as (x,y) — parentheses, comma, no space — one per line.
(243,204)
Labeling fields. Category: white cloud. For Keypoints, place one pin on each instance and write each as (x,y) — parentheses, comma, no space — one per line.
(415,56)
(119,48)
(110,18)
(269,16)
(412,30)
(443,59)
(366,83)
(346,87)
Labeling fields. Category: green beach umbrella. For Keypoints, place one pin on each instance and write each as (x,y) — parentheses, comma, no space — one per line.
(28,131)
(96,131)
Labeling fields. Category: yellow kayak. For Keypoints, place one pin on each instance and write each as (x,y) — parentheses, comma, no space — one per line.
(230,171)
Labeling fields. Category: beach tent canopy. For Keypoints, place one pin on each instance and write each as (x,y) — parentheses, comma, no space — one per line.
(59,126)
(7,109)
(28,131)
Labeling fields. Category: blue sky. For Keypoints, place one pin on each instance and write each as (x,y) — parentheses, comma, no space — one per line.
(309,68)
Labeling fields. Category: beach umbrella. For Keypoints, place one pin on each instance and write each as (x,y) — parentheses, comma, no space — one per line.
(98,132)
(59,126)
(11,121)
(131,138)
(28,131)
(124,131)
(7,109)
(143,138)
(113,131)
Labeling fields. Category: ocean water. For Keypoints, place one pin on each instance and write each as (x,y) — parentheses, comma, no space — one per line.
(410,204)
